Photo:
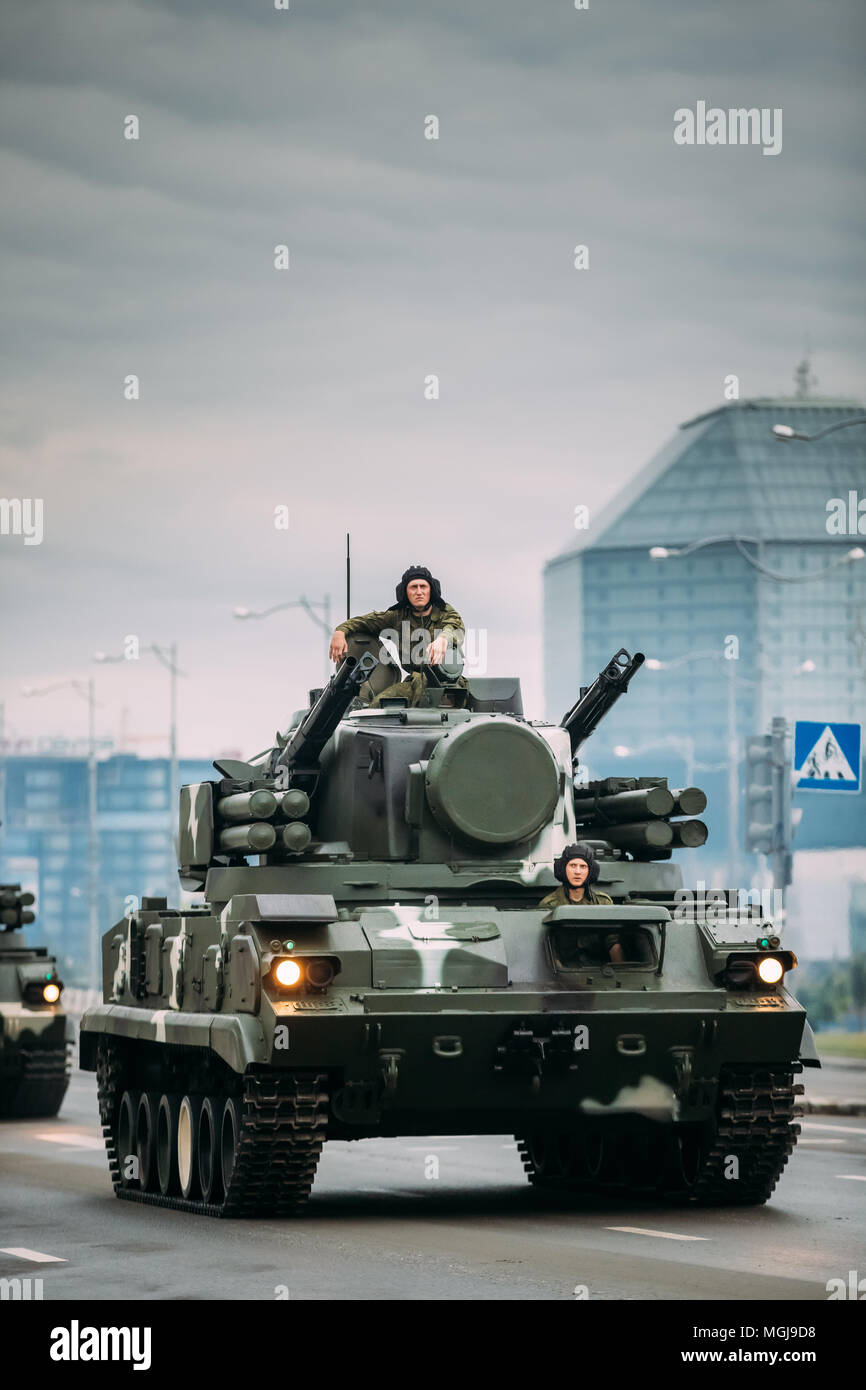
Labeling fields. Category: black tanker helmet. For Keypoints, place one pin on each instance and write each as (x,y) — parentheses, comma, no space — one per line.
(418,572)
(579,851)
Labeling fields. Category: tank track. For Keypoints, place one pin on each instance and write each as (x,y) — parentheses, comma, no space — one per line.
(755,1112)
(39,1088)
(284,1118)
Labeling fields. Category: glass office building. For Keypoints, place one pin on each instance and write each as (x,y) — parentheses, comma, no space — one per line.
(45,839)
(781,587)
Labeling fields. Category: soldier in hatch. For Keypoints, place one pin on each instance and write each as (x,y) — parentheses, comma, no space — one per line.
(577,870)
(424,628)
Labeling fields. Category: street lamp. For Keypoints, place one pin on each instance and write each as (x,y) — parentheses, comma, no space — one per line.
(87,692)
(308,605)
(663,552)
(786,432)
(167,657)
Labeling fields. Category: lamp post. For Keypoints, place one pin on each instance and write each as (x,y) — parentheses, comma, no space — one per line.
(663,552)
(308,605)
(87,692)
(785,433)
(167,657)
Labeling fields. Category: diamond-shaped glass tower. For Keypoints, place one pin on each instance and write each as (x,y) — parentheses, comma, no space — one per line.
(780,584)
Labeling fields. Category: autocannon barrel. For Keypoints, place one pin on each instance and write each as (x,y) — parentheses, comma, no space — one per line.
(301,753)
(243,806)
(595,700)
(625,806)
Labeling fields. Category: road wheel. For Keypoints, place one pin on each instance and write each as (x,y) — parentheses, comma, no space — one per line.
(166,1145)
(127,1151)
(230,1131)
(641,1158)
(549,1157)
(209,1172)
(145,1136)
(187,1145)
(683,1162)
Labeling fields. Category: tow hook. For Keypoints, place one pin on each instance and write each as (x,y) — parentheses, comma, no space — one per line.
(684,1063)
(389,1064)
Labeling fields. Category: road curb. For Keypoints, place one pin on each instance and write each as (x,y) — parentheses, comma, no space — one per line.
(817,1106)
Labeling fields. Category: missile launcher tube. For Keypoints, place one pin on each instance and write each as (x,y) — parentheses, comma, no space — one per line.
(255,838)
(624,807)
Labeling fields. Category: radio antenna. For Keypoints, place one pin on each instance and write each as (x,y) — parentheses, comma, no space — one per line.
(348,579)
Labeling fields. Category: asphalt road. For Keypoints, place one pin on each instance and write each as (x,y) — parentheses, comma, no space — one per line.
(377,1227)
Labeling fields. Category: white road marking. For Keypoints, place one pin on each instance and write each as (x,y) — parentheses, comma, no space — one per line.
(803,1142)
(73,1141)
(388,1192)
(428,1148)
(663,1235)
(851,1177)
(840,1129)
(35,1256)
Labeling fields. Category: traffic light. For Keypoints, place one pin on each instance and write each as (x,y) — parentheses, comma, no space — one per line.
(12,907)
(769,796)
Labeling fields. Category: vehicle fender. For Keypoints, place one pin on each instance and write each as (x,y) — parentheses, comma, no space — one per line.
(808,1051)
(239,1039)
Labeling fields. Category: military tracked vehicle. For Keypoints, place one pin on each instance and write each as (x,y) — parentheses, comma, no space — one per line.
(385,968)
(35,1033)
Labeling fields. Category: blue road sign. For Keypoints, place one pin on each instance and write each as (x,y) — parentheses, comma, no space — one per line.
(827,756)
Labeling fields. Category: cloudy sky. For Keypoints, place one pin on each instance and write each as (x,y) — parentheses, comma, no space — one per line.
(409,257)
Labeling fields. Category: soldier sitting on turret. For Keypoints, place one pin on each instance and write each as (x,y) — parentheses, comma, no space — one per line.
(577,870)
(424,628)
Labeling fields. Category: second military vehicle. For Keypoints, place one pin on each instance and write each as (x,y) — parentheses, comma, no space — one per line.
(385,968)
(35,1033)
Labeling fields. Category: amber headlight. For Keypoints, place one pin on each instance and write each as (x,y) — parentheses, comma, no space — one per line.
(51,993)
(771,970)
(287,973)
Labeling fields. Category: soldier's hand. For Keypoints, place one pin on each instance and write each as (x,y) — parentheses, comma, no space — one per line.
(339,647)
(436,651)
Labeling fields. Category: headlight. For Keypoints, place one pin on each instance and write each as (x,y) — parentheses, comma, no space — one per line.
(320,972)
(740,975)
(51,993)
(770,970)
(288,972)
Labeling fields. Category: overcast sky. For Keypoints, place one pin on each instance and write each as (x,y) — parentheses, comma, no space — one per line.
(408,257)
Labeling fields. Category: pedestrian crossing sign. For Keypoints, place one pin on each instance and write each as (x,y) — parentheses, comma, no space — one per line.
(827,756)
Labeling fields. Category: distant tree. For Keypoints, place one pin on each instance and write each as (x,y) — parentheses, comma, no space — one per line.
(857,985)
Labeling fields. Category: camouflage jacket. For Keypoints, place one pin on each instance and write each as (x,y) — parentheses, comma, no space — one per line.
(591,897)
(410,633)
